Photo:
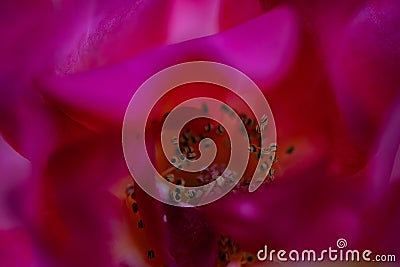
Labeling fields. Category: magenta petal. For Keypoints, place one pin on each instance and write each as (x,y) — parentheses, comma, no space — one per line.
(40,35)
(14,171)
(100,97)
(366,65)
(186,226)
(384,168)
(191,19)
(306,209)
(182,235)
(70,221)
(119,30)
(380,231)
(15,248)
(236,12)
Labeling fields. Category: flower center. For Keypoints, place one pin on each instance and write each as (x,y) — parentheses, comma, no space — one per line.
(188,142)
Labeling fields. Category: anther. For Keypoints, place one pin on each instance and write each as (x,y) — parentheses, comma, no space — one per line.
(129,189)
(140,224)
(208,127)
(191,155)
(249,122)
(170,177)
(180,182)
(135,207)
(220,130)
(150,254)
(252,148)
(290,150)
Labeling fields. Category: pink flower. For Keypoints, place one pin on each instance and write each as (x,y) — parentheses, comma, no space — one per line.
(328,71)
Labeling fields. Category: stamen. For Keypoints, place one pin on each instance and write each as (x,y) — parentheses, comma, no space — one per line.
(247,258)
(138,234)
(187,150)
(170,178)
(140,224)
(191,156)
(129,189)
(249,122)
(175,141)
(273,147)
(150,254)
(135,207)
(252,148)
(180,182)
(173,160)
(229,251)
(208,127)
(290,150)
(220,130)
(205,108)
(264,166)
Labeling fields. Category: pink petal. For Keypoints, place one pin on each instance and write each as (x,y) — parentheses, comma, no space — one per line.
(99,98)
(365,66)
(384,165)
(191,19)
(380,231)
(306,209)
(234,13)
(119,30)
(15,248)
(69,212)
(15,171)
(184,236)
